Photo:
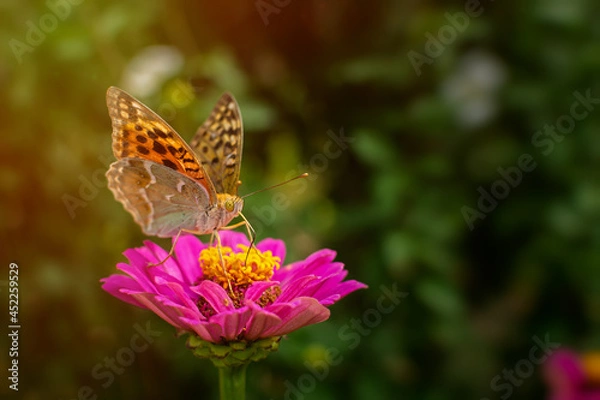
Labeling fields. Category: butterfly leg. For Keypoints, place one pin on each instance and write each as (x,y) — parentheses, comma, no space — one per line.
(249,229)
(251,233)
(170,251)
(232,227)
(215,233)
(212,238)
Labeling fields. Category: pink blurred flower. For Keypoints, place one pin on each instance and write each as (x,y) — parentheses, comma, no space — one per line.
(571,376)
(191,291)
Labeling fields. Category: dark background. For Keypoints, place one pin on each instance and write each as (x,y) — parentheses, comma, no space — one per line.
(424,141)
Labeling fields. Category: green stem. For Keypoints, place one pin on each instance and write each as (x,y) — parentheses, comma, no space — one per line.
(232,382)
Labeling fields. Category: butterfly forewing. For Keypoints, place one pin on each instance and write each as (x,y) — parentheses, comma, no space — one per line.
(160,179)
(139,133)
(161,200)
(218,144)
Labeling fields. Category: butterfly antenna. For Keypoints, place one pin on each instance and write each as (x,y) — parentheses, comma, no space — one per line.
(251,231)
(304,175)
(170,251)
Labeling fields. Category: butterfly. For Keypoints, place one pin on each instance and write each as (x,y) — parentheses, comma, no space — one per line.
(167,185)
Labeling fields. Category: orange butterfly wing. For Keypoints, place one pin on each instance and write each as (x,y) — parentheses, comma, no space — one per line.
(138,132)
(218,144)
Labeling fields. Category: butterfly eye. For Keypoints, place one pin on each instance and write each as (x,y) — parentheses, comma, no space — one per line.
(229,206)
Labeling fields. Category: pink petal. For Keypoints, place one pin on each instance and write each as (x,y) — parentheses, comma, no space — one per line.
(187,250)
(260,322)
(276,247)
(151,302)
(136,257)
(166,289)
(232,239)
(301,312)
(140,275)
(232,323)
(180,294)
(114,283)
(257,289)
(167,263)
(215,296)
(311,266)
(563,370)
(199,328)
(299,287)
(342,290)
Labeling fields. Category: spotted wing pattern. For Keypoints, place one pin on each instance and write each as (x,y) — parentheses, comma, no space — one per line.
(218,144)
(139,133)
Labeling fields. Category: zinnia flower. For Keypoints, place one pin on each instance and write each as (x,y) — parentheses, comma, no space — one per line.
(232,294)
(571,376)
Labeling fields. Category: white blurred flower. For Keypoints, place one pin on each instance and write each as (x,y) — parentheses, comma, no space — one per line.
(150,68)
(472,89)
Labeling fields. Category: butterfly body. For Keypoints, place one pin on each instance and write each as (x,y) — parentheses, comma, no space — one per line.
(167,185)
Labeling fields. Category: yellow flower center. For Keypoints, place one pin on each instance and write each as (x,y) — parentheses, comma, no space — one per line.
(591,365)
(222,265)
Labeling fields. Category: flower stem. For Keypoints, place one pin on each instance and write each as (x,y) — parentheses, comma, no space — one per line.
(232,382)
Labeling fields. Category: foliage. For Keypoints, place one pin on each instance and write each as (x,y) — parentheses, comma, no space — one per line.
(421,143)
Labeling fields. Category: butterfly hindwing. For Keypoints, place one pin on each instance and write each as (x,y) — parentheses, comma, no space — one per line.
(161,200)
(138,132)
(218,145)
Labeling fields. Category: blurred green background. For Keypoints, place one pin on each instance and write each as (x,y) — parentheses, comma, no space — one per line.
(432,102)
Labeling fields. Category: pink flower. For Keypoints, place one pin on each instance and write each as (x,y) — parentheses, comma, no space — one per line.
(250,299)
(571,376)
